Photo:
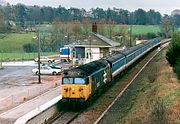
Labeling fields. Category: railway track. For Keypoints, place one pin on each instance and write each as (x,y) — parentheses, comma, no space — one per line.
(64,118)
(96,112)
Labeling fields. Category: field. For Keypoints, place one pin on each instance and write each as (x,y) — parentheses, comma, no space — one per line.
(11,47)
(139,29)
(143,29)
(12,44)
(22,56)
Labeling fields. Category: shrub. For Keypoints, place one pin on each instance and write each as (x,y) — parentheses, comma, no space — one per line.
(173,56)
(177,68)
(151,35)
(30,47)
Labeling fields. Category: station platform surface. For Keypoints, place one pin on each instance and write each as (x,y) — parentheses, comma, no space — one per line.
(18,101)
(13,114)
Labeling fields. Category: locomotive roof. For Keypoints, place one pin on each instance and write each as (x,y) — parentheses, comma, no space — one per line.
(148,42)
(87,69)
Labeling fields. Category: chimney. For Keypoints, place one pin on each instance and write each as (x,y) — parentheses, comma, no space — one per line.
(94,27)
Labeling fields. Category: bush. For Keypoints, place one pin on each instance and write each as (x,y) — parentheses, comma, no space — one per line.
(146,36)
(177,68)
(30,47)
(173,56)
(151,35)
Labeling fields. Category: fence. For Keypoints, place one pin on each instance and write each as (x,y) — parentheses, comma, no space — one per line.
(22,56)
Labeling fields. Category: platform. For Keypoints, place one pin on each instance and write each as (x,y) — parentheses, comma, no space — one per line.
(10,116)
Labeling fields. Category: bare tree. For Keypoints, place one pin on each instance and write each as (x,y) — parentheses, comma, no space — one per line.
(166,26)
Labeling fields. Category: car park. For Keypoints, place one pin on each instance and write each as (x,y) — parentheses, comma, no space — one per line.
(47,70)
(44,59)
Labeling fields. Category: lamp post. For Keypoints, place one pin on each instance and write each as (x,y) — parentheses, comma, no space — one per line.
(1,60)
(90,54)
(68,44)
(39,70)
(130,31)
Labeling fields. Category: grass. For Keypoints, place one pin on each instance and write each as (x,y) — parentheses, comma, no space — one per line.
(11,46)
(14,42)
(22,56)
(144,29)
(140,29)
(171,97)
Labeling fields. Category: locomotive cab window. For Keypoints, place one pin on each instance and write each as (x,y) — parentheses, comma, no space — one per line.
(79,81)
(68,80)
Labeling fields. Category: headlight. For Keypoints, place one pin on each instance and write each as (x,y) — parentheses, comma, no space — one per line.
(66,89)
(80,89)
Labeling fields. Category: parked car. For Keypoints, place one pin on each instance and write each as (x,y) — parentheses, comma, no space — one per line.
(47,70)
(52,66)
(44,59)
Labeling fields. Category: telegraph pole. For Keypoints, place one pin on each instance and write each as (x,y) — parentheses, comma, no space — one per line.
(130,31)
(1,60)
(39,74)
(68,48)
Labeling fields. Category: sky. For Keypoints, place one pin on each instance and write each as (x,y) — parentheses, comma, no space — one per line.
(162,6)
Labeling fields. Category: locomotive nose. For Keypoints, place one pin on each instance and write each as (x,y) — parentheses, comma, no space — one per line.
(73,91)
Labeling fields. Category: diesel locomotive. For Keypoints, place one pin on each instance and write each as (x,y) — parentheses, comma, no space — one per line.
(82,83)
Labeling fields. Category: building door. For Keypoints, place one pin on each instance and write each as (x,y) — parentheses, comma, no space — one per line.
(88,56)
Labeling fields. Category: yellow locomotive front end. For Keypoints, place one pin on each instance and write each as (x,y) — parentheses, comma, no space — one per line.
(76,88)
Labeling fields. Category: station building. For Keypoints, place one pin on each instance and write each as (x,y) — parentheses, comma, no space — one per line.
(93,48)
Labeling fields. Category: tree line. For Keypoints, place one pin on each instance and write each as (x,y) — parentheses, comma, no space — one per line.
(28,15)
(25,16)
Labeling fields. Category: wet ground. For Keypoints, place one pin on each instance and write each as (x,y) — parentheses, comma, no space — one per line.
(20,74)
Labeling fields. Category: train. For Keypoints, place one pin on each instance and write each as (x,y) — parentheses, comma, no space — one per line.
(86,81)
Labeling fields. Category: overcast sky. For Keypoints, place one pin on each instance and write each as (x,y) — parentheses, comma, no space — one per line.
(163,6)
